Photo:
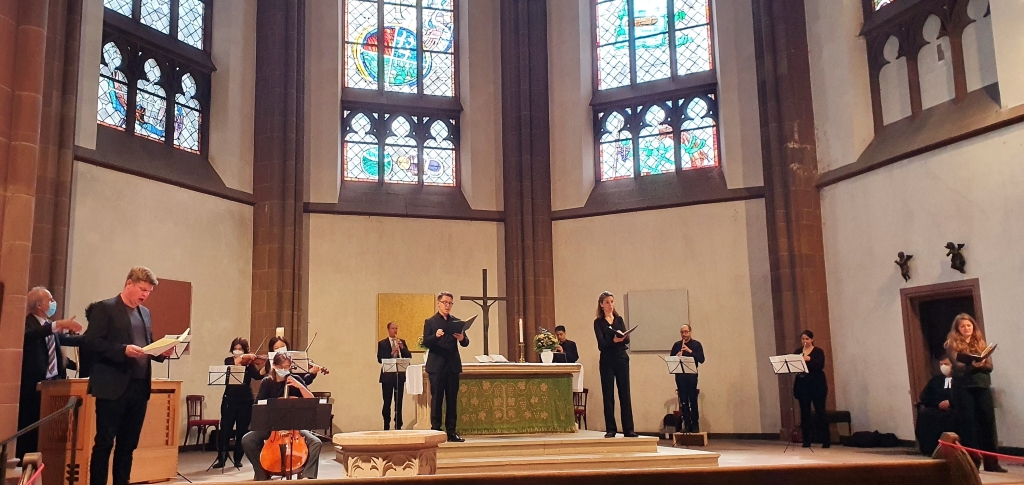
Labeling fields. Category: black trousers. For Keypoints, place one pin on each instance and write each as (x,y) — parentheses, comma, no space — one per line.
(396,391)
(444,388)
(118,420)
(28,413)
(686,387)
(975,417)
(814,428)
(235,415)
(616,372)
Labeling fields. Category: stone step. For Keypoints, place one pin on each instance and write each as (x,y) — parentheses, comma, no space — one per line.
(585,442)
(662,458)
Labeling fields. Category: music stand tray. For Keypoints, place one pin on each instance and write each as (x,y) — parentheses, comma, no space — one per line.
(680,365)
(789,364)
(225,375)
(290,414)
(394,366)
(300,361)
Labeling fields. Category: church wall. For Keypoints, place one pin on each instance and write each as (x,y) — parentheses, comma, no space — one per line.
(966,193)
(119,221)
(352,259)
(719,253)
(570,84)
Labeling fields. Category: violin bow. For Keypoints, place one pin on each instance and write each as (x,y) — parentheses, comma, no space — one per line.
(311,341)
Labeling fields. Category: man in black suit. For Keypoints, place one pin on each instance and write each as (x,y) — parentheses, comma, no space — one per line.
(686,384)
(41,359)
(392,383)
(566,346)
(120,378)
(934,413)
(442,334)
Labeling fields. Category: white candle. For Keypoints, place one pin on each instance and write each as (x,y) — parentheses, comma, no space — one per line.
(520,330)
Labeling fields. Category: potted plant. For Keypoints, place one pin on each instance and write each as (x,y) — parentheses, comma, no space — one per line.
(419,343)
(545,343)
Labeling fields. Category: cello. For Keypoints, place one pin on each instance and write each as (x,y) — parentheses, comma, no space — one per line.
(285,452)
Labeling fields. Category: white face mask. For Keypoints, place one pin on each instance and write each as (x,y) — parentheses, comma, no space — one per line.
(237,353)
(282,350)
(282,373)
(946,369)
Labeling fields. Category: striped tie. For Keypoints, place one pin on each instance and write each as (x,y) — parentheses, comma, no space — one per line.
(51,349)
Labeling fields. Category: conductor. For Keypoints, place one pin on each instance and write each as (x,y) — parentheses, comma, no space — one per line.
(442,336)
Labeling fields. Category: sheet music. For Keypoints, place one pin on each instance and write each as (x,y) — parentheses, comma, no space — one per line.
(788,364)
(393,366)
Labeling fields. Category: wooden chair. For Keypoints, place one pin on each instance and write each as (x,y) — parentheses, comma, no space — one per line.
(579,404)
(194,406)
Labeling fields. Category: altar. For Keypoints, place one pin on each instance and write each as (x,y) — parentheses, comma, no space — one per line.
(506,398)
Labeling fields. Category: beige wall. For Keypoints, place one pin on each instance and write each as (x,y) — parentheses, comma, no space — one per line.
(570,67)
(718,252)
(480,95)
(232,91)
(352,259)
(967,193)
(119,221)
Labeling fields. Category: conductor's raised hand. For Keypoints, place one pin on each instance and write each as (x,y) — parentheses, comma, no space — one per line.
(439,333)
(133,351)
(458,336)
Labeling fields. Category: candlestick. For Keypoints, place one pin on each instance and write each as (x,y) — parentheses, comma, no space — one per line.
(522,352)
(520,331)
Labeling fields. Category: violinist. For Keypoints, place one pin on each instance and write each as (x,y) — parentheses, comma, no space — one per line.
(280,345)
(236,405)
(273,387)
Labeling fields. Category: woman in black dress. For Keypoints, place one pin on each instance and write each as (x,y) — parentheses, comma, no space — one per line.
(973,410)
(812,388)
(236,405)
(614,365)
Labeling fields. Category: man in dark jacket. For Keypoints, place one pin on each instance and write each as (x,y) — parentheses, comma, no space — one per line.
(934,415)
(42,359)
(120,378)
(686,384)
(442,335)
(566,346)
(392,383)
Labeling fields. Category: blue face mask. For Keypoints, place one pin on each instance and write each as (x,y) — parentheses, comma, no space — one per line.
(52,310)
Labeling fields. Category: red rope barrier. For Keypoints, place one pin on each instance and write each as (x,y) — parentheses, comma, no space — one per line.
(1001,456)
(36,474)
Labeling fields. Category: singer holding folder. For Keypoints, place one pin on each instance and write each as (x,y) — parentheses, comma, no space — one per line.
(443,334)
(973,410)
(392,383)
(613,341)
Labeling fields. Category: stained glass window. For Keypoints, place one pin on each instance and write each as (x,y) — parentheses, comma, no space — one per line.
(659,137)
(187,116)
(414,149)
(113,89)
(157,14)
(881,3)
(418,46)
(640,41)
(151,103)
(190,22)
(123,7)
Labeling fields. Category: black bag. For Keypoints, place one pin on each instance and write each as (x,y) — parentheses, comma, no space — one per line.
(873,439)
(211,441)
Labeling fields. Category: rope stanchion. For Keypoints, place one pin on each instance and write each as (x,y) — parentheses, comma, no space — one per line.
(1017,459)
(35,475)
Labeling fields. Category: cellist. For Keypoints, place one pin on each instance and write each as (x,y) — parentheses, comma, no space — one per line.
(273,387)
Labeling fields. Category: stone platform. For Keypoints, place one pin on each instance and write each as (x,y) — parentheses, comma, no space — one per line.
(585,450)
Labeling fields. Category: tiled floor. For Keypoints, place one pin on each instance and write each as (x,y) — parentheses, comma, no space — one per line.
(734,453)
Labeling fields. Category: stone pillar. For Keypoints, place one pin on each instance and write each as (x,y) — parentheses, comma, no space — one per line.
(796,251)
(53,182)
(529,271)
(278,171)
(23,26)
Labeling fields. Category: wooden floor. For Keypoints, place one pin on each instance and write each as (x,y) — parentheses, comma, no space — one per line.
(732,453)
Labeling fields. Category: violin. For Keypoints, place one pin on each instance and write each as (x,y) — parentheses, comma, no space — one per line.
(285,452)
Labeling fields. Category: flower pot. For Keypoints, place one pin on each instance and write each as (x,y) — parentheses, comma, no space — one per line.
(547,356)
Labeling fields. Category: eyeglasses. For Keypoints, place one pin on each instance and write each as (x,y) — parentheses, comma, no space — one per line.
(446,303)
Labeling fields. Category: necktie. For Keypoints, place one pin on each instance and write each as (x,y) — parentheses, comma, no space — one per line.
(51,349)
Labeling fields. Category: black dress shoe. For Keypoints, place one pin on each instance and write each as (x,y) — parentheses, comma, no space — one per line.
(455,438)
(221,460)
(807,444)
(610,434)
(826,445)
(694,429)
(995,468)
(631,435)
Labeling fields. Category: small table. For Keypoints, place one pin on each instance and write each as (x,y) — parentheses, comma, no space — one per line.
(398,453)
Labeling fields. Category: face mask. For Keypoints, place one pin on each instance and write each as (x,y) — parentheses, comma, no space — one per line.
(282,350)
(282,373)
(237,353)
(52,310)
(945,369)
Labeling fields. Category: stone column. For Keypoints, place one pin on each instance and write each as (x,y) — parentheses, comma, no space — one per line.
(795,248)
(527,171)
(23,26)
(278,171)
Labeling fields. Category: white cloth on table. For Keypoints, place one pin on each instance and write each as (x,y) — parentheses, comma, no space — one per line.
(414,379)
(577,380)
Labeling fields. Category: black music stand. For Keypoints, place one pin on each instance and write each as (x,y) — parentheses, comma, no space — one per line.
(791,364)
(224,375)
(288,415)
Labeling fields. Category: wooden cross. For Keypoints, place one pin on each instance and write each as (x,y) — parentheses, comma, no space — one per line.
(484,302)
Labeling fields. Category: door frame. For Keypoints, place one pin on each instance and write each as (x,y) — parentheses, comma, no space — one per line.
(918,360)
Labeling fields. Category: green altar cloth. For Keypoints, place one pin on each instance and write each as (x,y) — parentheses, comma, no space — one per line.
(516,399)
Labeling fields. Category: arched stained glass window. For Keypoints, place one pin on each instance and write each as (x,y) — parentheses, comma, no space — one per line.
(415,150)
(187,116)
(640,41)
(416,52)
(113,88)
(156,14)
(361,154)
(151,103)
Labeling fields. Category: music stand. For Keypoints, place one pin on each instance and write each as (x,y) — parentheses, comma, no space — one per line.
(224,375)
(288,415)
(300,361)
(394,366)
(180,350)
(791,364)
